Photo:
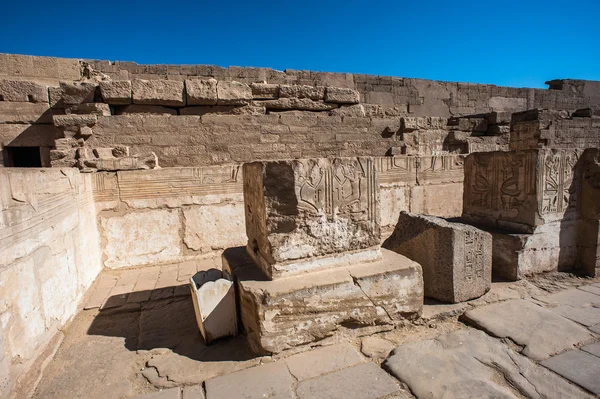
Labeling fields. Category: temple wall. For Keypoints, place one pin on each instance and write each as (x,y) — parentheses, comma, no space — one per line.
(49,257)
(173,215)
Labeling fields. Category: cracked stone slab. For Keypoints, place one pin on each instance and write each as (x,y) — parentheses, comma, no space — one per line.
(470,364)
(322,360)
(591,289)
(580,367)
(594,349)
(596,328)
(364,381)
(572,297)
(272,380)
(587,316)
(541,332)
(297,310)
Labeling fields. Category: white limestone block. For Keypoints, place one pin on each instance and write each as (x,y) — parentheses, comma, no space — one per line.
(214,303)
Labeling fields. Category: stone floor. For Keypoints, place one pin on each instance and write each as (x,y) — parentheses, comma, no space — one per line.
(137,337)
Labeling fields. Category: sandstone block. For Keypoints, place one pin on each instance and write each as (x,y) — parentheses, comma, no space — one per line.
(264,91)
(355,111)
(233,93)
(116,92)
(302,91)
(22,112)
(303,104)
(158,92)
(145,109)
(135,162)
(311,214)
(520,190)
(285,313)
(74,120)
(340,95)
(214,304)
(201,91)
(204,232)
(77,92)
(456,258)
(99,109)
(23,91)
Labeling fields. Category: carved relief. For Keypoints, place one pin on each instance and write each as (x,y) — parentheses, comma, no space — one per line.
(501,180)
(337,187)
(179,182)
(558,188)
(401,169)
(474,247)
(440,169)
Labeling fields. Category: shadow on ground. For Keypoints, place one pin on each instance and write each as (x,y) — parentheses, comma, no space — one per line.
(166,324)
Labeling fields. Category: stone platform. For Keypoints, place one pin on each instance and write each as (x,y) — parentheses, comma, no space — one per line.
(288,312)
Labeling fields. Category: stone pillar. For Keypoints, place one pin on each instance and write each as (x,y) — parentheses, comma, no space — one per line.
(588,235)
(307,215)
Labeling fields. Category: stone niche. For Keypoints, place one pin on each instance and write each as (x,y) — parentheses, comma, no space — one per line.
(311,214)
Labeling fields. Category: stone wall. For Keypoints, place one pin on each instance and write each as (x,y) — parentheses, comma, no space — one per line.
(194,213)
(49,257)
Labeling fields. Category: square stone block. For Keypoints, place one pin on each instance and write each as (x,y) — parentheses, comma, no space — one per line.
(311,214)
(519,190)
(456,258)
(214,304)
(284,313)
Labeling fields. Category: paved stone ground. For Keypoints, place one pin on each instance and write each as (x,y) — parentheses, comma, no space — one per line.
(137,337)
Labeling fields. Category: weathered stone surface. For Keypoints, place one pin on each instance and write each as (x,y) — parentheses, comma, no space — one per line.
(134,162)
(355,111)
(193,392)
(466,363)
(411,123)
(264,91)
(21,112)
(593,349)
(375,347)
(322,361)
(233,93)
(214,303)
(208,228)
(160,229)
(116,92)
(271,380)
(201,91)
(158,92)
(77,92)
(303,104)
(551,247)
(541,332)
(520,190)
(340,95)
(456,258)
(365,381)
(172,393)
(580,367)
(99,109)
(281,314)
(304,215)
(572,297)
(302,91)
(145,109)
(23,91)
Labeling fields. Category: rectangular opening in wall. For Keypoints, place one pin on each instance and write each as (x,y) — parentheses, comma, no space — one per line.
(22,157)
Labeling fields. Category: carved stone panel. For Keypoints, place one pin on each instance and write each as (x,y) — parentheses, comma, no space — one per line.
(520,189)
(440,169)
(310,214)
(399,170)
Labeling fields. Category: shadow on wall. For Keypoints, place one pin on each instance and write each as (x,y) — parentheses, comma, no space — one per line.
(167,323)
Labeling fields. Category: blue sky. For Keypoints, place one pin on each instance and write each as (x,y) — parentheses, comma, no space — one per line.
(515,43)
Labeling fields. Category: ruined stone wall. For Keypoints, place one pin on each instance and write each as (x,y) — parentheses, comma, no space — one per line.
(49,257)
(194,213)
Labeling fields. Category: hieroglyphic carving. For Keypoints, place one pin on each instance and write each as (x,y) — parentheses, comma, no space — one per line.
(397,170)
(179,182)
(556,180)
(474,247)
(440,169)
(500,180)
(342,186)
(105,186)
